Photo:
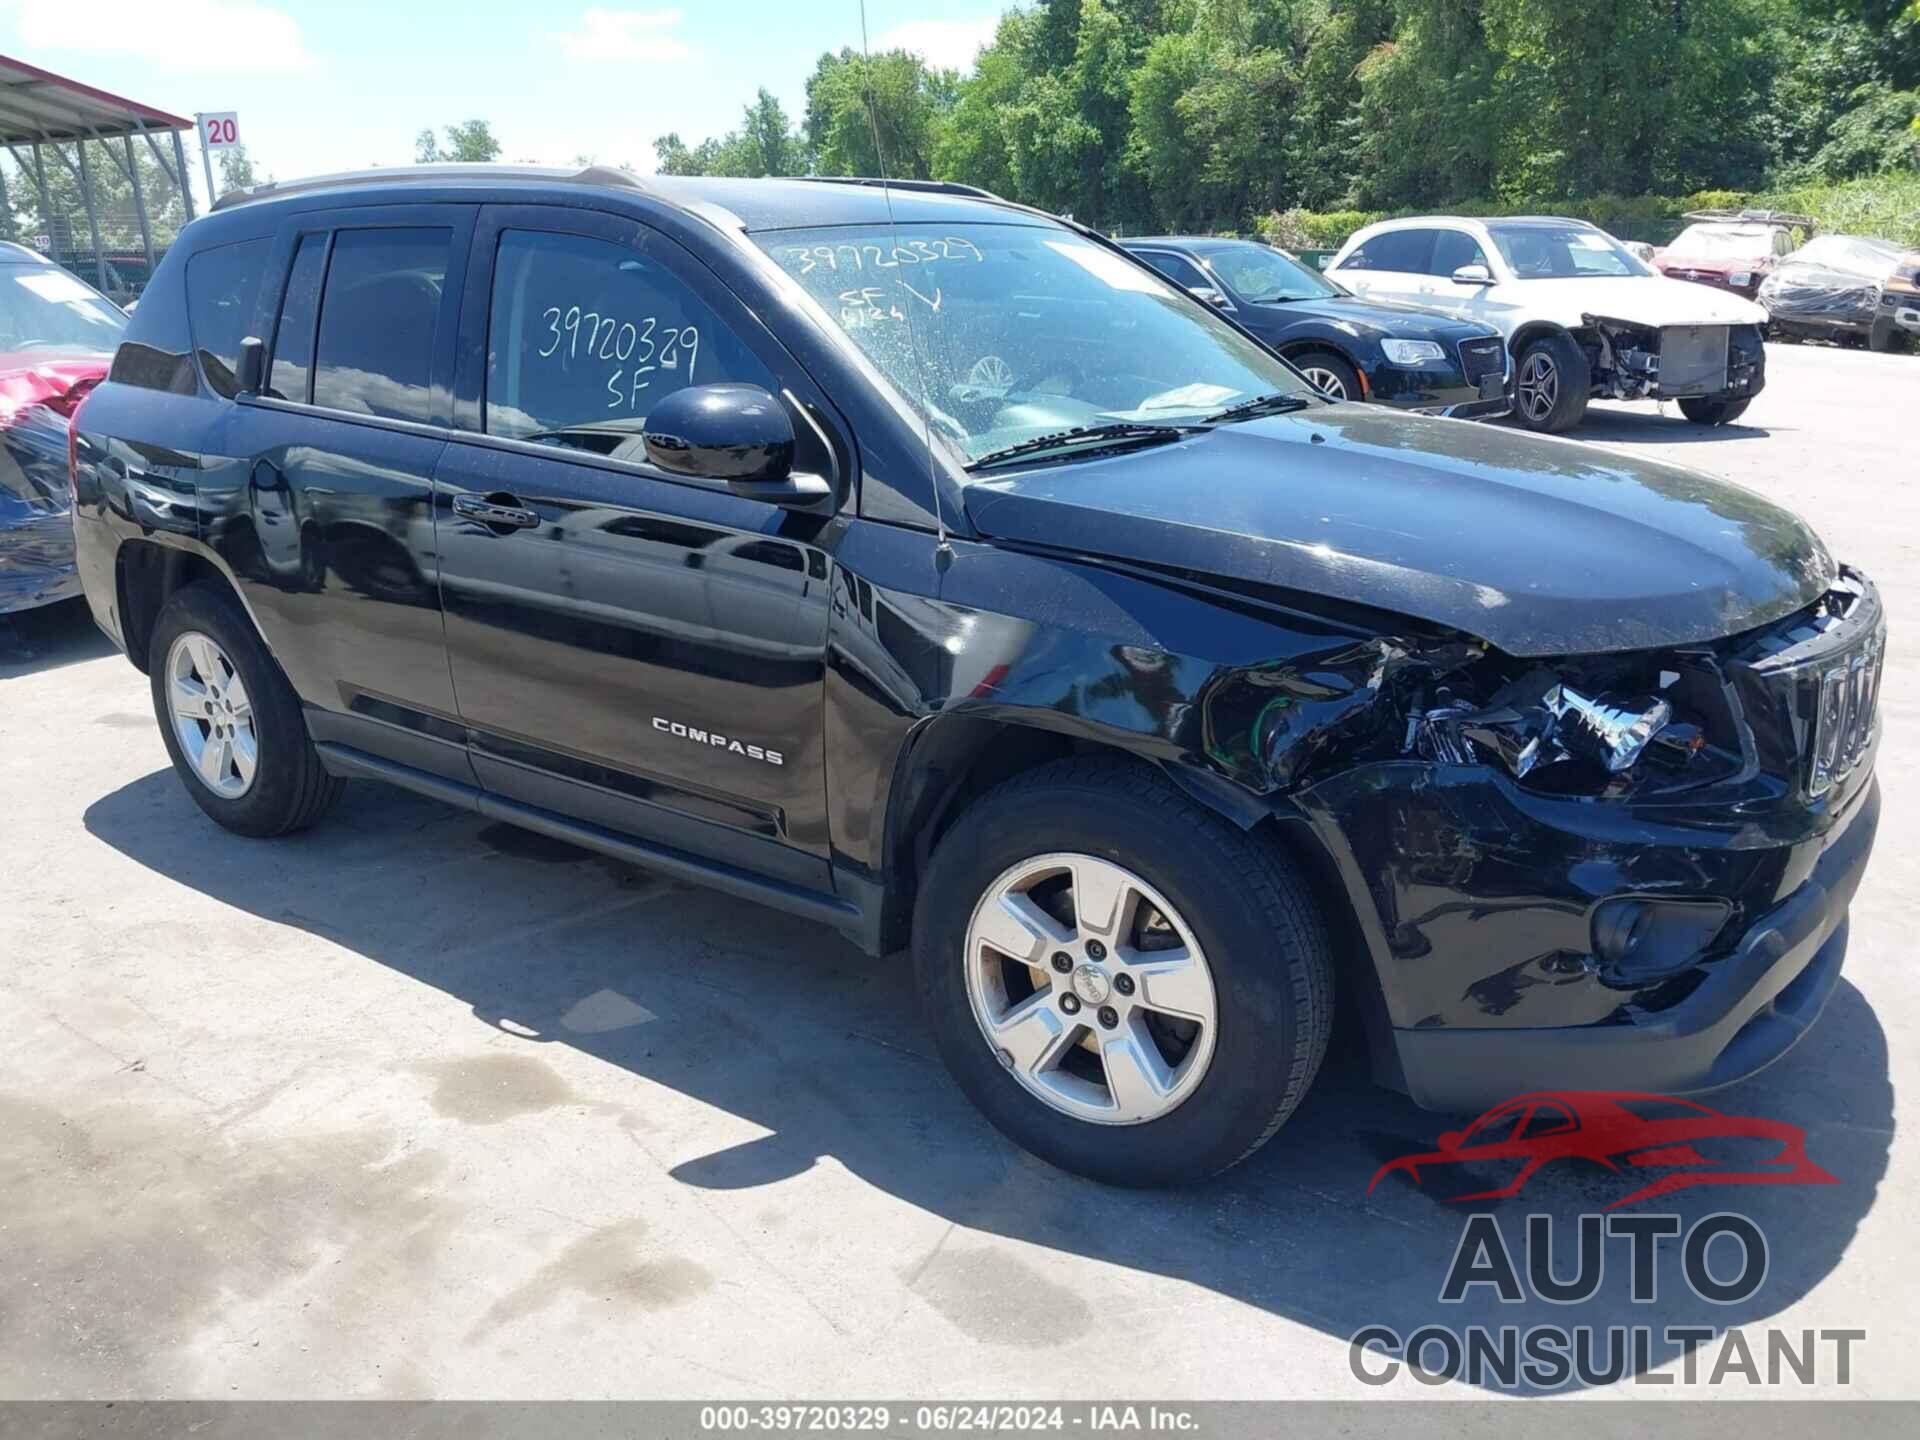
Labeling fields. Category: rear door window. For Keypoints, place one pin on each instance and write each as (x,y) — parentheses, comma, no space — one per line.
(379,313)
(1402,252)
(222,286)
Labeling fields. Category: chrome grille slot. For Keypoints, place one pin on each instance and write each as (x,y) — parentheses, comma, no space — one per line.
(1480,358)
(1844,719)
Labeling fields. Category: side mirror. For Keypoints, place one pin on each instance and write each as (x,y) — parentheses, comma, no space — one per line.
(252,369)
(1475,274)
(738,434)
(1211,296)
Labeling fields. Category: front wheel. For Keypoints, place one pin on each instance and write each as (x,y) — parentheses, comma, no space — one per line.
(1714,412)
(1330,374)
(1126,985)
(1551,383)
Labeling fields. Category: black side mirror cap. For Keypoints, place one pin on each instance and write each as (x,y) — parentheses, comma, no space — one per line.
(737,434)
(251,373)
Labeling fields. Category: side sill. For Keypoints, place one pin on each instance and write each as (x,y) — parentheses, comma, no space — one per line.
(349,763)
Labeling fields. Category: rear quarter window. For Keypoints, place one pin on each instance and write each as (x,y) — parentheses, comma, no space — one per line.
(222,285)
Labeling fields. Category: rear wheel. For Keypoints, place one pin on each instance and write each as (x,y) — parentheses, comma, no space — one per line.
(1551,383)
(231,723)
(1331,374)
(1714,412)
(1126,985)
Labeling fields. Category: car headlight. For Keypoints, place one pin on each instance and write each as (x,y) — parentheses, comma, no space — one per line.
(1412,352)
(1740,279)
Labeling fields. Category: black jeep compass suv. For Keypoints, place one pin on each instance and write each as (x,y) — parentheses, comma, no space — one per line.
(920,564)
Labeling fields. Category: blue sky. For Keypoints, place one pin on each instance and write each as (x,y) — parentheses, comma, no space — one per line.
(331,86)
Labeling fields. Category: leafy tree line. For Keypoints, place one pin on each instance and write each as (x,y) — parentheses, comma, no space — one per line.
(1208,114)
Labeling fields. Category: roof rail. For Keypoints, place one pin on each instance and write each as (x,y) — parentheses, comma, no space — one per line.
(931,187)
(414,174)
(1756,217)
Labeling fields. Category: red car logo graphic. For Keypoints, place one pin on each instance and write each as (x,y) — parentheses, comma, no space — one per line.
(1686,1142)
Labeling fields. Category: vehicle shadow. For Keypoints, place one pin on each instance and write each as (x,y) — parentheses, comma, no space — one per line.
(786,1026)
(1644,424)
(48,637)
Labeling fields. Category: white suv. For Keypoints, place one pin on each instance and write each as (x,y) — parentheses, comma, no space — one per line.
(1581,315)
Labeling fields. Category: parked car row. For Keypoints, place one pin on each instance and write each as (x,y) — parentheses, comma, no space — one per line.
(1846,288)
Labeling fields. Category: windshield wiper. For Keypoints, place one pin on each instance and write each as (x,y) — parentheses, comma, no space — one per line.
(1125,432)
(1278,403)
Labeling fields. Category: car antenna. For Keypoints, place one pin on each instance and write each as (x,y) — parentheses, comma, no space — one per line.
(942,552)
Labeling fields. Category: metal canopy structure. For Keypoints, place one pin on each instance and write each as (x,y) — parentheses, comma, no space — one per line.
(46,112)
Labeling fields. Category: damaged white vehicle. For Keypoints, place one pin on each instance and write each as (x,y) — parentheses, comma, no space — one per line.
(1582,316)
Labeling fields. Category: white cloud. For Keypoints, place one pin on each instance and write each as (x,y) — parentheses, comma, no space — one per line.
(944,44)
(624,37)
(201,36)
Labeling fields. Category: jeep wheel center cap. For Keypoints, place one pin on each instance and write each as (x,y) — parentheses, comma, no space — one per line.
(1090,985)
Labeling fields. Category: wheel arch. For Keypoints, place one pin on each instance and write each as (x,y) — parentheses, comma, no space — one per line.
(146,575)
(951,760)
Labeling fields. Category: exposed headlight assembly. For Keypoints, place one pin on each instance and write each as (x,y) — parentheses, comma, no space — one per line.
(1540,719)
(1411,352)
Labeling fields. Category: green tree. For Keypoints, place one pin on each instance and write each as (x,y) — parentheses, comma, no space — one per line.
(236,169)
(470,140)
(850,97)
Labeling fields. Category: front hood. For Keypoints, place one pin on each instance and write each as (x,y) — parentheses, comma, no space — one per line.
(1381,317)
(1538,546)
(1652,300)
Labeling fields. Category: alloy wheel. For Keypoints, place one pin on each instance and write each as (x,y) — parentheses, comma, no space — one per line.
(1091,989)
(1538,387)
(212,715)
(1327,381)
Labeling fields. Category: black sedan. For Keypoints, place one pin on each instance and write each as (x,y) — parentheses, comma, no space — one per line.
(1351,348)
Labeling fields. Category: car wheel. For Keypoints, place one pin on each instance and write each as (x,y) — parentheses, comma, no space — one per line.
(231,722)
(1126,985)
(1551,382)
(1329,373)
(1714,412)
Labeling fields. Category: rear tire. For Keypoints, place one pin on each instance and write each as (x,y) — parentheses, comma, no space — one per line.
(1551,384)
(1239,908)
(1331,373)
(1714,412)
(231,722)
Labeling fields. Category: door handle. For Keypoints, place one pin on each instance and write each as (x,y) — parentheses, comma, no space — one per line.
(495,510)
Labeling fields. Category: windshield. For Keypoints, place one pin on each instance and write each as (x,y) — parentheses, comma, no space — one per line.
(1562,252)
(1006,332)
(1262,276)
(1723,242)
(45,311)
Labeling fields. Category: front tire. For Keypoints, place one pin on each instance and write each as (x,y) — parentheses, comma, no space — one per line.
(1330,374)
(1551,383)
(231,722)
(1126,985)
(1714,412)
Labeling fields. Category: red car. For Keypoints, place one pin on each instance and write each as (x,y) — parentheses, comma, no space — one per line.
(1730,252)
(57,337)
(1686,1142)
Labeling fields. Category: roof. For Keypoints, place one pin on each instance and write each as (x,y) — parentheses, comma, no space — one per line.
(36,104)
(759,204)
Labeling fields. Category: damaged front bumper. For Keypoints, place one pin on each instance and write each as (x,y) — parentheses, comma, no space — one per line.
(1540,917)
(1675,362)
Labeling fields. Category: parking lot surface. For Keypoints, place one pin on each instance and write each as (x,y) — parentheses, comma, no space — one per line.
(415,1104)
